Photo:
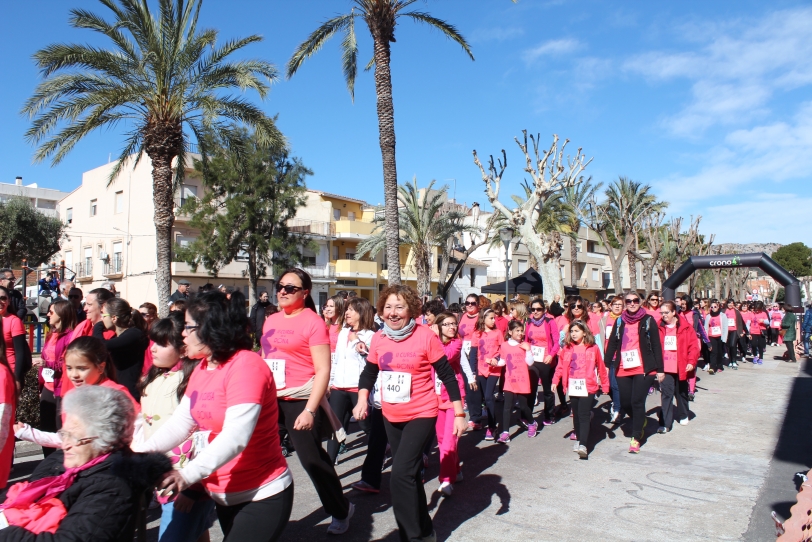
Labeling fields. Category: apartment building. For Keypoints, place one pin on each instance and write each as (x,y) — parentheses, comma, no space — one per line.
(44,200)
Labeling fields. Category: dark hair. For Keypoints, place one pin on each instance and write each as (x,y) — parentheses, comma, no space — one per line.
(67,315)
(433,307)
(443,316)
(538,300)
(222,324)
(574,299)
(672,306)
(500,308)
(480,322)
(103,295)
(339,307)
(152,310)
(469,296)
(513,325)
(730,300)
(93,350)
(270,309)
(8,294)
(455,308)
(127,316)
(589,338)
(366,318)
(169,332)
(307,284)
(179,305)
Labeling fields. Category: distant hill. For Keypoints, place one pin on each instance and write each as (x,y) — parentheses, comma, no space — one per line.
(748,248)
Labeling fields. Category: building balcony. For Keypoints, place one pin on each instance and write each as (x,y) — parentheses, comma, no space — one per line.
(234,270)
(356,269)
(114,269)
(591,257)
(327,271)
(409,275)
(315,228)
(353,229)
(84,272)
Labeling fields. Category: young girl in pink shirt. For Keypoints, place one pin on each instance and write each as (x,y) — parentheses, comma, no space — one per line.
(516,356)
(579,366)
(485,344)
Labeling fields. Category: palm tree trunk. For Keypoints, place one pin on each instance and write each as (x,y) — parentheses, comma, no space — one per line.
(386,130)
(164,220)
(252,276)
(574,261)
(632,272)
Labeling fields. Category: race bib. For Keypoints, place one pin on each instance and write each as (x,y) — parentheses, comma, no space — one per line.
(578,387)
(671,342)
(775,324)
(731,323)
(278,369)
(538,353)
(48,375)
(716,330)
(466,347)
(200,440)
(630,359)
(396,387)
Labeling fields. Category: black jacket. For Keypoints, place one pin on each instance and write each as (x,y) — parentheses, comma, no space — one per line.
(177,295)
(103,501)
(127,351)
(650,345)
(257,316)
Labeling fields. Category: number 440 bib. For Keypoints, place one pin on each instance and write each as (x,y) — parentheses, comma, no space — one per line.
(396,387)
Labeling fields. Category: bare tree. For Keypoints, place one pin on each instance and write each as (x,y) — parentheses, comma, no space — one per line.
(651,230)
(479,236)
(699,248)
(550,173)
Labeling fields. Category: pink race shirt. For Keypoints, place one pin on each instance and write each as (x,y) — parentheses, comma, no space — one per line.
(715,323)
(413,355)
(537,335)
(12,327)
(775,319)
(8,396)
(244,379)
(756,322)
(290,339)
(731,319)
(487,345)
(670,356)
(517,377)
(630,341)
(467,327)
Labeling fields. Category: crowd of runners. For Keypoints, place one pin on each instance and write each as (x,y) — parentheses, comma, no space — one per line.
(183,411)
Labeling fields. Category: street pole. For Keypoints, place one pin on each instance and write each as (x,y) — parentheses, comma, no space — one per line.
(506,234)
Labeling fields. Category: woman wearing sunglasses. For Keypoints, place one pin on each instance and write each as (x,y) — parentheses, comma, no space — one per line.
(652,306)
(635,354)
(607,324)
(541,333)
(296,345)
(466,330)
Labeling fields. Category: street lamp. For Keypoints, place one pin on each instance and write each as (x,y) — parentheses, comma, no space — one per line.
(506,234)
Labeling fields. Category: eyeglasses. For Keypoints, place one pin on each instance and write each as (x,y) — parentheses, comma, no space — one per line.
(471,303)
(576,306)
(287,288)
(633,301)
(69,439)
(449,324)
(189,329)
(536,309)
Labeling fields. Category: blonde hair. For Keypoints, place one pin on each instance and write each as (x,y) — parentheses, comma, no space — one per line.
(589,338)
(521,310)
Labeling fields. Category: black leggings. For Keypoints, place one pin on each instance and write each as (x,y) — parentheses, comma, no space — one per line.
(47,416)
(633,393)
(732,341)
(487,386)
(256,521)
(717,353)
(342,402)
(582,416)
(543,371)
(376,449)
(790,350)
(407,440)
(314,459)
(758,343)
(525,412)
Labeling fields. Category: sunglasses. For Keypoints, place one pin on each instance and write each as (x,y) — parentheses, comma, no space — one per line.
(471,303)
(3,298)
(536,309)
(576,306)
(633,301)
(288,289)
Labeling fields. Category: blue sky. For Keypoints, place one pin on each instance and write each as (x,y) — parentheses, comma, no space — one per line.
(709,102)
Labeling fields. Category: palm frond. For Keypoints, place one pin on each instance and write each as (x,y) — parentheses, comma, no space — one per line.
(316,41)
(449,30)
(349,56)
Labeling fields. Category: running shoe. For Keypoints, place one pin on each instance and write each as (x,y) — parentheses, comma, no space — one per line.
(582,452)
(504,438)
(734,365)
(662,430)
(340,526)
(634,447)
(758,361)
(532,429)
(365,487)
(547,421)
(488,434)
(473,426)
(684,421)
(613,414)
(573,436)
(342,449)
(711,372)
(576,446)
(446,489)
(691,396)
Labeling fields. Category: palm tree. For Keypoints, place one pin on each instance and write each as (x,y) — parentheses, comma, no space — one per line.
(577,198)
(381,17)
(164,80)
(423,226)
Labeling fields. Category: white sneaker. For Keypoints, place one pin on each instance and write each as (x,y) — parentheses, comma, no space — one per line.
(340,526)
(613,415)
(446,489)
(575,446)
(684,421)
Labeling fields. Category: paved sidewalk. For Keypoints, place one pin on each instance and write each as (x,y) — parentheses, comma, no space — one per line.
(699,482)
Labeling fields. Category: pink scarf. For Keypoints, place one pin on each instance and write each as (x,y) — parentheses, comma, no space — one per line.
(630,319)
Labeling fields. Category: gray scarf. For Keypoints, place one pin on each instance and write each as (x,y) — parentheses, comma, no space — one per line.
(401,334)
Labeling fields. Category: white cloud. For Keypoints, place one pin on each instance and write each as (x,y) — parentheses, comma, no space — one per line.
(735,73)
(551,48)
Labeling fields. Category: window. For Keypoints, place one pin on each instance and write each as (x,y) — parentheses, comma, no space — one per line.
(335,252)
(563,272)
(656,284)
(93,207)
(522,266)
(578,246)
(69,260)
(308,258)
(350,215)
(119,201)
(473,275)
(350,253)
(336,214)
(117,259)
(69,215)
(88,263)
(594,274)
(590,246)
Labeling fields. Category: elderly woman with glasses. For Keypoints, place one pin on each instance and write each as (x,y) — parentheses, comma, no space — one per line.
(93,488)
(635,354)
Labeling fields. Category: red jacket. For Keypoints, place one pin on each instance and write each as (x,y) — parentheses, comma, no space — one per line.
(585,370)
(687,347)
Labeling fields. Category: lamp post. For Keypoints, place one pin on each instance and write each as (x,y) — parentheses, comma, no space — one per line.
(506,234)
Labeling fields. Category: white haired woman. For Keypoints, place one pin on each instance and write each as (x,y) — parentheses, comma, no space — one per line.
(92,488)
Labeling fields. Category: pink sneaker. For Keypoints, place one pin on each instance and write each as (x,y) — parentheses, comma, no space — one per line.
(573,436)
(532,429)
(473,426)
(547,422)
(488,434)
(634,447)
(504,438)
